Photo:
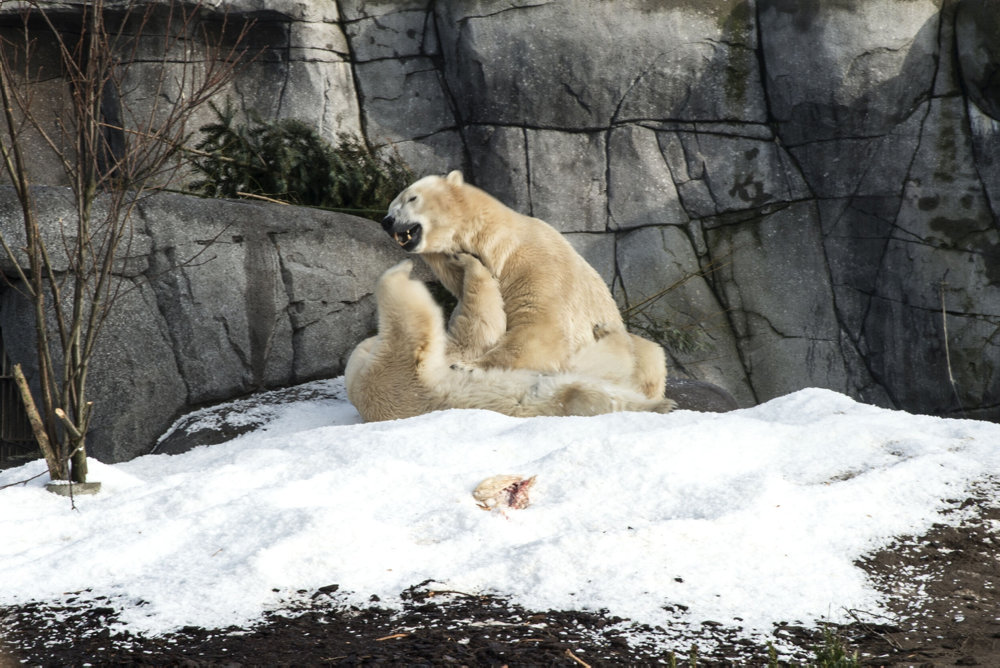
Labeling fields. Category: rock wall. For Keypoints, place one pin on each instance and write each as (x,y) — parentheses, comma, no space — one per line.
(219,299)
(791,194)
(819,181)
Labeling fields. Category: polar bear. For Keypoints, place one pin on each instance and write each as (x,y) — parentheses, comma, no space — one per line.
(557,306)
(409,367)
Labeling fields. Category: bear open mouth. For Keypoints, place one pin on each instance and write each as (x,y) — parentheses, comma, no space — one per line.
(408,238)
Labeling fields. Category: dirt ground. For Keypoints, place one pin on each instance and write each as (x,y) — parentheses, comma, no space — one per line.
(941,590)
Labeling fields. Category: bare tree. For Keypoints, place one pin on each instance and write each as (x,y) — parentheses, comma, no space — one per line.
(113,145)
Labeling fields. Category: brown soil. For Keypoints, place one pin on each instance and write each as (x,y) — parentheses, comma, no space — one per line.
(942,590)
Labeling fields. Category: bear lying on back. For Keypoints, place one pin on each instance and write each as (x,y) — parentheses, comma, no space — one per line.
(411,367)
(560,314)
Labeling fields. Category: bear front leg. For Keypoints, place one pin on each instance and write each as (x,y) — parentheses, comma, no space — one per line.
(478,321)
(529,347)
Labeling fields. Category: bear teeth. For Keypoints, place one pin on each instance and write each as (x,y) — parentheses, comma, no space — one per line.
(407,236)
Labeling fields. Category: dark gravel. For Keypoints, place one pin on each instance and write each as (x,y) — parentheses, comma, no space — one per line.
(941,589)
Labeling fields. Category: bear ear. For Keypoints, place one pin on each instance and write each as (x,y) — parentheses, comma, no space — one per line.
(455,178)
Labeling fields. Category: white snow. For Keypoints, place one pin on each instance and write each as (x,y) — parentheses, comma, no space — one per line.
(758,514)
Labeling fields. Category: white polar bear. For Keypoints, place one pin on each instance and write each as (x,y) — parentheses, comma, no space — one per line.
(409,367)
(560,314)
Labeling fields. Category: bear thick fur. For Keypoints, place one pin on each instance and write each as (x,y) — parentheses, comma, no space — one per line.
(560,315)
(412,366)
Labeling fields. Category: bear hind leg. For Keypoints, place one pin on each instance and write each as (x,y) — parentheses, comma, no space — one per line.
(580,398)
(649,370)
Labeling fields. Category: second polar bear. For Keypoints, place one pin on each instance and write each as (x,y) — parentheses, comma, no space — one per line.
(560,314)
(409,367)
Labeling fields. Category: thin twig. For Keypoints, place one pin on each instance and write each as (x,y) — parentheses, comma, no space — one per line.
(95,61)
(577,659)
(23,482)
(439,592)
(255,196)
(870,629)
(149,135)
(337,209)
(947,351)
(712,266)
(70,427)
(392,637)
(944,324)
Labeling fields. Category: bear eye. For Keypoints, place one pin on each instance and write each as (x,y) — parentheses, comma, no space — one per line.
(412,198)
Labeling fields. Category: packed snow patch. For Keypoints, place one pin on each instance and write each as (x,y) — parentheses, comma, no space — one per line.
(730,515)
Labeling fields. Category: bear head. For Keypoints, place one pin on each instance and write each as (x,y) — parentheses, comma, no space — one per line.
(421,218)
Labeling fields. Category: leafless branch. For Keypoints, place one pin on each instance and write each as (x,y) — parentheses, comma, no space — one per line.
(109,165)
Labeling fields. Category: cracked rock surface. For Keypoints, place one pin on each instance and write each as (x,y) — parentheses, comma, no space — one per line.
(820,183)
(791,194)
(236,297)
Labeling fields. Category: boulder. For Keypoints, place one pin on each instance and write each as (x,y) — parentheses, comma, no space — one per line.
(236,297)
(697,395)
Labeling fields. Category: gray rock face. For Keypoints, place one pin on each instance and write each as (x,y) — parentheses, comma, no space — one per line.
(235,297)
(806,193)
(816,173)
(977,24)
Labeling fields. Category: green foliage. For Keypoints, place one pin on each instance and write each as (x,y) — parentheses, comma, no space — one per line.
(833,652)
(687,339)
(289,161)
(772,655)
(692,661)
(679,339)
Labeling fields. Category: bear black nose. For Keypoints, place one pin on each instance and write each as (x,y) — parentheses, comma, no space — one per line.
(387,223)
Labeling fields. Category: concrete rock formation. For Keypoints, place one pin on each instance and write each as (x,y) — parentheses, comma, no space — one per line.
(821,181)
(818,183)
(222,299)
